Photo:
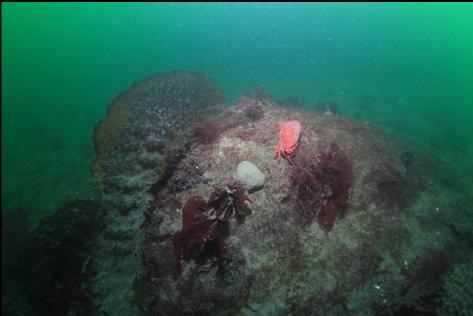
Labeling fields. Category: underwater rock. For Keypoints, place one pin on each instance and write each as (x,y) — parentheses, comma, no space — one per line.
(156,111)
(282,239)
(345,215)
(291,102)
(457,288)
(327,108)
(260,96)
(52,263)
(207,131)
(61,248)
(250,176)
(139,145)
(389,187)
(250,108)
(186,175)
(408,160)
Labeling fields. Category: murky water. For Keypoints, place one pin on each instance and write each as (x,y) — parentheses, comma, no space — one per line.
(403,69)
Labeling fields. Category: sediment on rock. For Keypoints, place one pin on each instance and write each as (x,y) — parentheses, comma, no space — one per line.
(348,214)
(138,144)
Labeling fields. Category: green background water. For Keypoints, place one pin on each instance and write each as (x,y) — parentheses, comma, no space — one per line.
(406,68)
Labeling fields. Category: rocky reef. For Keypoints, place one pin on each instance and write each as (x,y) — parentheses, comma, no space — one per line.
(341,231)
(47,269)
(139,145)
(199,218)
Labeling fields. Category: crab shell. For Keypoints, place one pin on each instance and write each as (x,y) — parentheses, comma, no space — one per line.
(289,135)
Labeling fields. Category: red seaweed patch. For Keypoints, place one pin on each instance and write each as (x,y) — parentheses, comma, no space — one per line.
(204,223)
(322,185)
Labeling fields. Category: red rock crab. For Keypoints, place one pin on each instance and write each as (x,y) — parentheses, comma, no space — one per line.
(289,135)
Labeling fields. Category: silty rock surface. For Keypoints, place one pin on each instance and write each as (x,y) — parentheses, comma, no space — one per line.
(344,230)
(137,143)
(284,259)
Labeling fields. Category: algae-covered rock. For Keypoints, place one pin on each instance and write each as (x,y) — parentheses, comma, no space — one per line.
(50,266)
(139,145)
(458,289)
(156,109)
(249,175)
(343,230)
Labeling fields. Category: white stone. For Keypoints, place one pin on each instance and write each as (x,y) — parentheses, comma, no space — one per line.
(250,176)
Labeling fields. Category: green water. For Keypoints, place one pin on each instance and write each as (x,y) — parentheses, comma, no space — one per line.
(407,69)
(404,67)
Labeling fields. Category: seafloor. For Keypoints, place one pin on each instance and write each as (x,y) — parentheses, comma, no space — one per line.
(358,224)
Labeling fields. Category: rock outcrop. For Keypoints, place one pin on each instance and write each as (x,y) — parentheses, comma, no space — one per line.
(344,230)
(138,145)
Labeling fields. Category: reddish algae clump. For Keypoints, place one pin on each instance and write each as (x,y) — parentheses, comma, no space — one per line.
(203,224)
(322,184)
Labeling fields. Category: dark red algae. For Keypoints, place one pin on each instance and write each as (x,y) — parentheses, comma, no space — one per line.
(322,185)
(199,233)
(203,224)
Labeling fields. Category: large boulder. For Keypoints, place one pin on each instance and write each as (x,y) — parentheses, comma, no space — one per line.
(351,227)
(139,144)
